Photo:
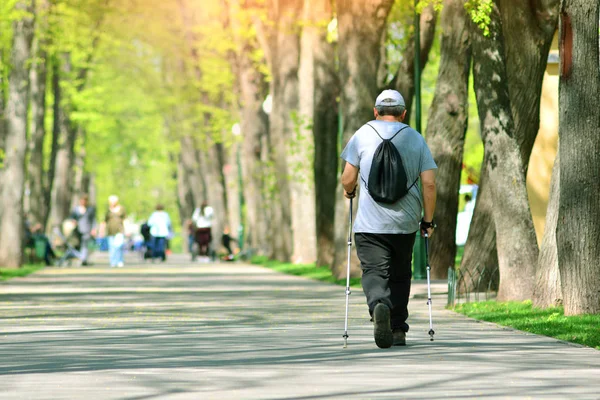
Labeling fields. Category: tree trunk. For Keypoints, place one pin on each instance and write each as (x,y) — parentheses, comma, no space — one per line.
(314,50)
(404,80)
(78,171)
(2,127)
(360,26)
(269,186)
(548,290)
(232,187)
(578,233)
(37,206)
(92,190)
(325,130)
(446,129)
(254,125)
(301,142)
(479,264)
(281,43)
(56,128)
(2,117)
(11,224)
(185,197)
(62,186)
(529,29)
(190,163)
(516,241)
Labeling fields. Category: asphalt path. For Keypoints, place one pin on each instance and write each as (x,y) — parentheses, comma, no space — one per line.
(231,331)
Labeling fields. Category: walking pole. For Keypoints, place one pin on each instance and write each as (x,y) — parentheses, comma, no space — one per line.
(431,331)
(348,278)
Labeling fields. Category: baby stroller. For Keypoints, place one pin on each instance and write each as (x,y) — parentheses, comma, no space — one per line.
(202,244)
(68,245)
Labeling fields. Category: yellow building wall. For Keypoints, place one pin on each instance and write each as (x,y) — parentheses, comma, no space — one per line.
(544,151)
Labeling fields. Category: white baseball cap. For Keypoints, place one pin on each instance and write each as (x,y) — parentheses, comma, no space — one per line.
(390,98)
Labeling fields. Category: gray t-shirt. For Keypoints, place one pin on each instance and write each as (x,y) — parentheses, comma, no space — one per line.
(404,215)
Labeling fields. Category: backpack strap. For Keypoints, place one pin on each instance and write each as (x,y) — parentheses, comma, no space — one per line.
(392,138)
(371,126)
(414,183)
(401,129)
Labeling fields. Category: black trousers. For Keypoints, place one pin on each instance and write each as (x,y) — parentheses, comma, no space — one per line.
(386,262)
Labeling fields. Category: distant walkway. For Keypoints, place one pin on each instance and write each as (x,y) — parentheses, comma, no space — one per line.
(231,331)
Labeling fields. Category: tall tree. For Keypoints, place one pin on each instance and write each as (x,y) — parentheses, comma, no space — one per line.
(446,130)
(528,29)
(516,241)
(38,77)
(316,64)
(360,26)
(280,40)
(325,128)
(578,234)
(211,153)
(62,185)
(56,128)
(69,80)
(11,224)
(253,89)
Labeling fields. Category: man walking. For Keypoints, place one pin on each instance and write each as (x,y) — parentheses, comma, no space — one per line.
(385,231)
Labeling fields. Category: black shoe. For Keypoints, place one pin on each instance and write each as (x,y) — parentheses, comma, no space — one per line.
(399,337)
(383,329)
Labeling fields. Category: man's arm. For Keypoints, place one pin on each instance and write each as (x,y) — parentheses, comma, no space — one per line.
(349,180)
(429,196)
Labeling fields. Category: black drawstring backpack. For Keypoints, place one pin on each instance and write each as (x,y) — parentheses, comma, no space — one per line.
(387,179)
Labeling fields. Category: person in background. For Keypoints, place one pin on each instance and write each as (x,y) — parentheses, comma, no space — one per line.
(37,234)
(227,240)
(85,216)
(115,230)
(202,218)
(160,229)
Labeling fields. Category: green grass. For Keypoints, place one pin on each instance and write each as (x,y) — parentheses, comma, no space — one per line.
(9,273)
(311,271)
(320,273)
(581,329)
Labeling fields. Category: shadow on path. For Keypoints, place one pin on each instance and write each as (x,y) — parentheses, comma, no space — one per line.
(232,331)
